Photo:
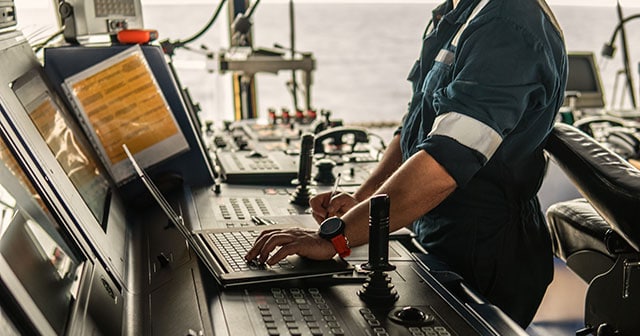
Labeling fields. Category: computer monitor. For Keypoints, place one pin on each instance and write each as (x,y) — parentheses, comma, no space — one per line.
(67,65)
(37,266)
(85,18)
(584,81)
(66,142)
(119,101)
(57,151)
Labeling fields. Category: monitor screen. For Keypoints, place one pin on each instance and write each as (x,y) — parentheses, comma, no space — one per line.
(64,139)
(32,245)
(56,154)
(119,101)
(584,79)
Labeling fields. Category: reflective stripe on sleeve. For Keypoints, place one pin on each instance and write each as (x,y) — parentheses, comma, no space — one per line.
(467,131)
(445,56)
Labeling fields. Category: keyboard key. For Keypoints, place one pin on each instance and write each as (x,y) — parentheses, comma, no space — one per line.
(337,331)
(316,332)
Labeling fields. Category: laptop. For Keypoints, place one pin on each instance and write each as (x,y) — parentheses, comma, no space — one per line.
(223,250)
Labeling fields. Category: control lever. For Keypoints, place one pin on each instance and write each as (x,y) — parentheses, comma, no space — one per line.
(378,290)
(302,194)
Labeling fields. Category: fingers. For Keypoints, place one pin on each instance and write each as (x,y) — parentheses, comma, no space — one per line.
(268,241)
(283,252)
(339,204)
(291,241)
(258,244)
(319,204)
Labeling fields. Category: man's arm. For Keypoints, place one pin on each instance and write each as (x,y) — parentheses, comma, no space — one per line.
(418,186)
(324,204)
(391,160)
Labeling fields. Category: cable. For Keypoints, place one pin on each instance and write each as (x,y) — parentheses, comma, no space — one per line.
(169,46)
(625,58)
(608,50)
(609,46)
(382,144)
(39,46)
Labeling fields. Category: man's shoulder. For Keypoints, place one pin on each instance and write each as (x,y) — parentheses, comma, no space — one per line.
(530,18)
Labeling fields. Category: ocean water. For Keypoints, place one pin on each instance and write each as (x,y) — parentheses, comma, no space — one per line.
(363,51)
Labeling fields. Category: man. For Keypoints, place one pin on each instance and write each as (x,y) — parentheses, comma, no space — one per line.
(465,167)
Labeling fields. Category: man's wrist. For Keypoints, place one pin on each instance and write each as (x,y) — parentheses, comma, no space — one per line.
(332,229)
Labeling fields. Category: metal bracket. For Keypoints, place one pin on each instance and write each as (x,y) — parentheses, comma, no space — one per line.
(626,285)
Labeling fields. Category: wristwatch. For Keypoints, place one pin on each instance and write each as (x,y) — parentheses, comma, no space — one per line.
(332,229)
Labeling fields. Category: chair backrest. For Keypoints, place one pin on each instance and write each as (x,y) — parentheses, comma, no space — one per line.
(606,180)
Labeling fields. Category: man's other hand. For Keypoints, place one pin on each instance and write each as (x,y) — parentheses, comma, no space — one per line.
(323,205)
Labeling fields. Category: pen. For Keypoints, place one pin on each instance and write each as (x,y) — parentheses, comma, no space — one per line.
(334,191)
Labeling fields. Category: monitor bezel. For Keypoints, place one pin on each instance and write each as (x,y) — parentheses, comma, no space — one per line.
(586,99)
(109,247)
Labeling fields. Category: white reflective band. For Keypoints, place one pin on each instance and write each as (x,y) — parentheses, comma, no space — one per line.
(467,131)
(445,56)
(473,14)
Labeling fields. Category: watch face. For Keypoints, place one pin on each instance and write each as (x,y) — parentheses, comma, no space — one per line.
(331,227)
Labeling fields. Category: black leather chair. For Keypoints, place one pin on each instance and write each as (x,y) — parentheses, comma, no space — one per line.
(599,236)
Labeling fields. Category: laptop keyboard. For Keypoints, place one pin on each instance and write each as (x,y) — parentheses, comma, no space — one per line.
(234,246)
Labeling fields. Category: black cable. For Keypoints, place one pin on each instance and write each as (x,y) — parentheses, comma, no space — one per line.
(207,26)
(382,144)
(625,54)
(619,26)
(251,8)
(169,46)
(39,46)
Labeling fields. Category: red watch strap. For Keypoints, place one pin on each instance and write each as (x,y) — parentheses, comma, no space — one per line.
(341,245)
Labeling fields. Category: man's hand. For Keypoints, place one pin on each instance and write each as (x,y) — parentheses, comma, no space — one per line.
(324,205)
(305,243)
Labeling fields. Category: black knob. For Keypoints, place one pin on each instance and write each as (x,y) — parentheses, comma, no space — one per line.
(325,172)
(411,314)
(163,260)
(411,317)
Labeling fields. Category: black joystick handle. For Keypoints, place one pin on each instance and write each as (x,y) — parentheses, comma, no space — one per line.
(379,234)
(306,159)
(378,291)
(302,193)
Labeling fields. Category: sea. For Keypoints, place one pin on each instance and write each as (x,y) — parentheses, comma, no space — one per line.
(363,51)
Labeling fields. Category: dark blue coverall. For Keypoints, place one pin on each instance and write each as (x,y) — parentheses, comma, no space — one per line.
(483,107)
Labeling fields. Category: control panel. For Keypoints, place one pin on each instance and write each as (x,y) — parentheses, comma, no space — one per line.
(332,307)
(252,153)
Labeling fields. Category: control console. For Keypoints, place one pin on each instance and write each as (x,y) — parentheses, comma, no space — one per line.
(332,307)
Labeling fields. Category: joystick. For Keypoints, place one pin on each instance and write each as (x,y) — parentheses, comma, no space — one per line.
(378,289)
(302,194)
(325,172)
